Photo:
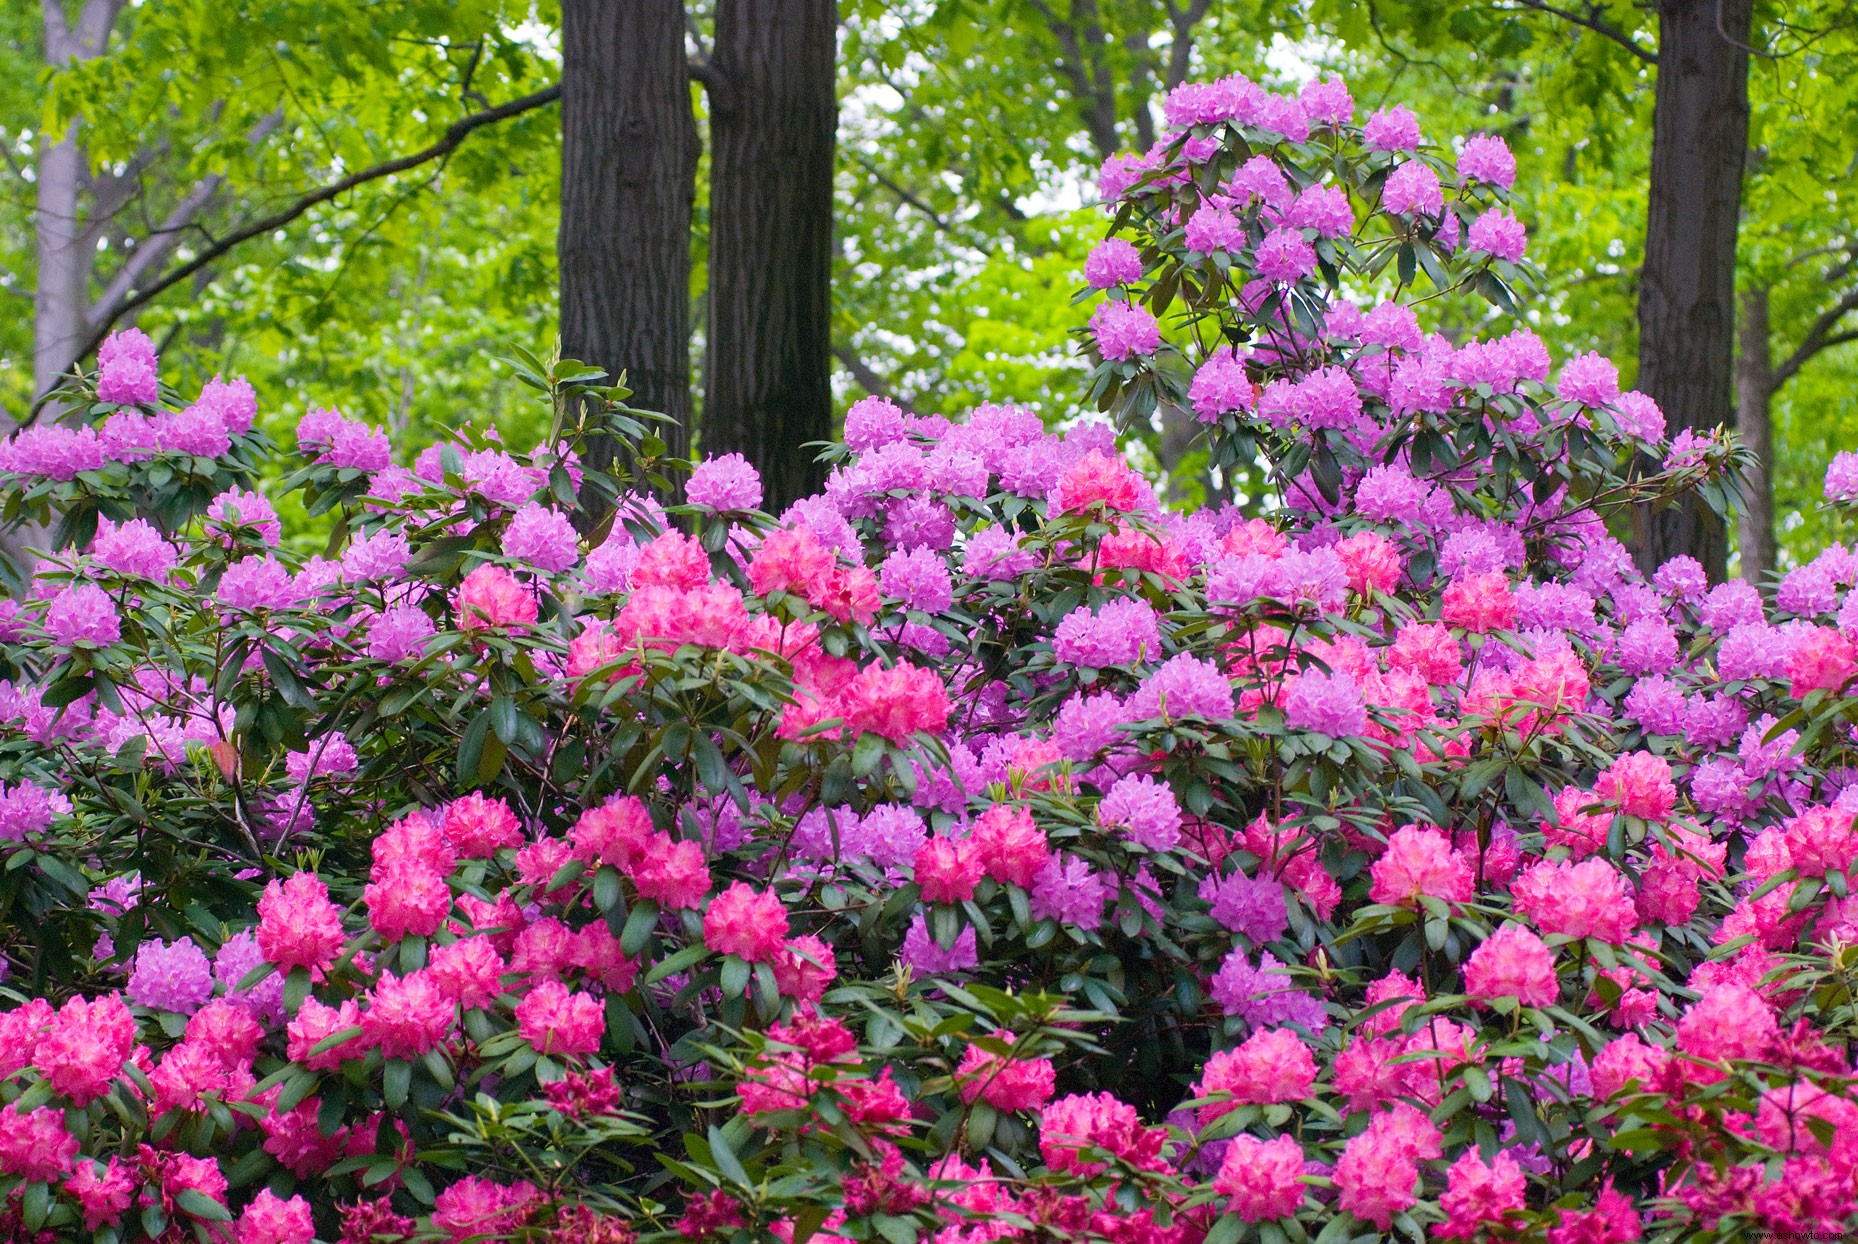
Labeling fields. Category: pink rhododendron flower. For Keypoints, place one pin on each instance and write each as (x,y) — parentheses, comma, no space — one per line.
(746,922)
(1263,1179)
(491,598)
(1512,963)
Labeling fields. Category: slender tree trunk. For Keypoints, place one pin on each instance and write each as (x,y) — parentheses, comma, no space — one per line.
(773,120)
(63,289)
(1687,286)
(628,180)
(1754,395)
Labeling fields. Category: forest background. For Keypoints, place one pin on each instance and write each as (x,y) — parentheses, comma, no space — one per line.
(360,203)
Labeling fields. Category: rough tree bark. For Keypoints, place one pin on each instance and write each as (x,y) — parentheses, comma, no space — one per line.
(1687,286)
(1754,393)
(773,120)
(628,178)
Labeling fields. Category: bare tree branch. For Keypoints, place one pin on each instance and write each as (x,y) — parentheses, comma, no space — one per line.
(1180,52)
(1087,72)
(1818,338)
(867,379)
(1599,25)
(447,143)
(152,251)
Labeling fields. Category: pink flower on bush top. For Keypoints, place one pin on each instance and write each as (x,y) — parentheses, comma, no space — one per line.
(1211,230)
(1378,1169)
(102,1196)
(1499,233)
(804,968)
(672,874)
(1221,387)
(1729,1021)
(491,597)
(1512,963)
(1823,660)
(1589,379)
(267,1220)
(725,483)
(1487,158)
(1640,784)
(134,548)
(35,1145)
(85,1046)
(1413,188)
(1420,860)
(1392,129)
(83,614)
(1124,330)
(556,1020)
(1589,899)
(477,1209)
(407,900)
(1285,256)
(1262,1179)
(407,1016)
(1111,262)
(315,1023)
(1479,602)
(257,583)
(1146,810)
(895,702)
(1003,1081)
(1098,479)
(127,369)
(947,870)
(1330,704)
(543,538)
(477,828)
(1273,1065)
(170,976)
(1326,101)
(1481,1194)
(400,634)
(1076,1125)
(746,922)
(1009,845)
(468,971)
(618,832)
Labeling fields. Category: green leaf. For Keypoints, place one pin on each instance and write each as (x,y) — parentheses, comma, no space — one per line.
(1227,1230)
(202,1206)
(724,1156)
(396,1081)
(638,931)
(735,977)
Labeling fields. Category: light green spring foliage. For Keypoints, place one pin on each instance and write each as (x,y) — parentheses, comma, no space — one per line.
(965,183)
(387,300)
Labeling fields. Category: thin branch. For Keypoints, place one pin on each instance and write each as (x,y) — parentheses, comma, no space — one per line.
(454,134)
(867,379)
(907,198)
(714,85)
(1818,338)
(1736,43)
(1594,22)
(153,250)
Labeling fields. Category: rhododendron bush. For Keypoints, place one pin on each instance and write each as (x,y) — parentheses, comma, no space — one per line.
(977,851)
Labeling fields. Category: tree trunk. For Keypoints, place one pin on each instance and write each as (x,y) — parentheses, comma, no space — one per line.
(1754,392)
(1687,286)
(628,180)
(63,289)
(773,118)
